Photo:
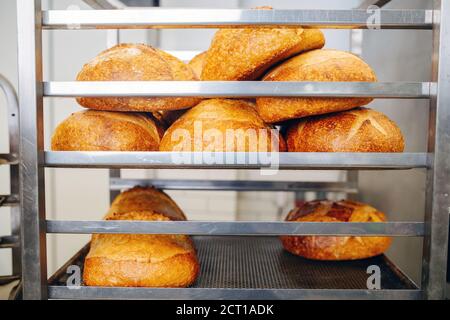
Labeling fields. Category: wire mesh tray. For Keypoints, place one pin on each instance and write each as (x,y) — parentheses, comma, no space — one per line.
(261,263)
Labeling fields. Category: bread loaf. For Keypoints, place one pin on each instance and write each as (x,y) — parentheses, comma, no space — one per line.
(358,130)
(196,64)
(133,260)
(219,125)
(335,247)
(316,65)
(245,54)
(91,130)
(136,62)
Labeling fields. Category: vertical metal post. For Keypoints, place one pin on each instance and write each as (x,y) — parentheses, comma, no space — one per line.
(13,126)
(34,261)
(113,173)
(438,184)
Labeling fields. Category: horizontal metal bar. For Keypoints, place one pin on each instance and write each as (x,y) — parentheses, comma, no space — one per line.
(9,242)
(8,279)
(233,185)
(229,18)
(63,292)
(9,200)
(210,89)
(239,160)
(259,228)
(8,159)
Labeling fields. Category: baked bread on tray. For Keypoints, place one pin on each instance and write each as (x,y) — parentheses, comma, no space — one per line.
(219,125)
(92,130)
(316,65)
(136,62)
(357,130)
(136,260)
(335,247)
(245,54)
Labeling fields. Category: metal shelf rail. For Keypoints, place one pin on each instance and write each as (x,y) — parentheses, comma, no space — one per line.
(32,21)
(11,200)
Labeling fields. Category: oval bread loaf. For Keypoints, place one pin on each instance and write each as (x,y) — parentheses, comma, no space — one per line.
(219,125)
(136,62)
(316,65)
(358,130)
(92,130)
(141,260)
(335,247)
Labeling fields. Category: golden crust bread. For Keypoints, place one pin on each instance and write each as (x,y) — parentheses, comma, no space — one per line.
(196,64)
(91,130)
(136,260)
(222,125)
(136,62)
(335,247)
(316,65)
(145,199)
(245,54)
(133,260)
(358,130)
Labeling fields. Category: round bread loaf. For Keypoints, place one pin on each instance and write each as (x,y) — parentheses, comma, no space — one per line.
(357,130)
(245,54)
(316,65)
(219,125)
(136,62)
(134,260)
(92,130)
(335,247)
(196,64)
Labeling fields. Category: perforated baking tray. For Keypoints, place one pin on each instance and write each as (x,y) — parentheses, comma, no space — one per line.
(261,263)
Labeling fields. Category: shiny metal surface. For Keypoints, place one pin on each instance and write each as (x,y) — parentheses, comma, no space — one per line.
(239,160)
(394,90)
(438,183)
(256,268)
(34,260)
(233,185)
(13,199)
(214,18)
(60,292)
(265,228)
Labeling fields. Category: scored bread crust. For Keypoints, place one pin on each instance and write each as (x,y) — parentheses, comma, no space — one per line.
(335,247)
(357,130)
(92,130)
(136,62)
(245,54)
(142,260)
(133,260)
(205,127)
(316,65)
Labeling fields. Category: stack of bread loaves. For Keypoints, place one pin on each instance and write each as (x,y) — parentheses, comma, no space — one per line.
(267,54)
(133,260)
(233,125)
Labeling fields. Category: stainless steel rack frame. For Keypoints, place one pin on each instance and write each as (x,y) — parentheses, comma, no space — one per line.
(11,200)
(32,89)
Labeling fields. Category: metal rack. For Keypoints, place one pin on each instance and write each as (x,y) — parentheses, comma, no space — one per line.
(11,200)
(32,89)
